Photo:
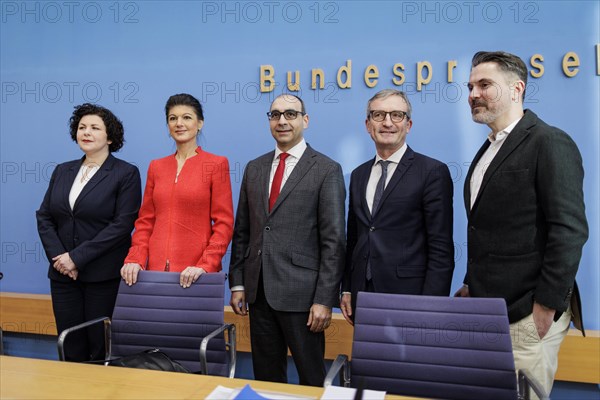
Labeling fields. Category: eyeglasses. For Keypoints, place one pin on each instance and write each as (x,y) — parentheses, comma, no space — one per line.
(396,116)
(287,114)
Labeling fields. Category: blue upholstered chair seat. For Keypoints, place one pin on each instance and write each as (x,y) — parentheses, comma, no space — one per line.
(186,324)
(435,347)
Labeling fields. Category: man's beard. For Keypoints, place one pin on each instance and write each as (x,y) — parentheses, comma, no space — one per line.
(488,115)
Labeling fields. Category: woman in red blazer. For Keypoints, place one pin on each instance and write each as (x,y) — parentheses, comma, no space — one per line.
(186,219)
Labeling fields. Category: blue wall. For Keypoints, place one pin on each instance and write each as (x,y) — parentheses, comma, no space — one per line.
(130,56)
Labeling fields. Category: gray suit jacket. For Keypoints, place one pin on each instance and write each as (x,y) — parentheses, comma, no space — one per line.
(527,226)
(300,244)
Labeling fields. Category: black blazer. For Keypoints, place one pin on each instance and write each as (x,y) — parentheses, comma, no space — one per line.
(409,239)
(97,232)
(527,226)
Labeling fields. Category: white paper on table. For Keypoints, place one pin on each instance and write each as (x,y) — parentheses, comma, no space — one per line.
(224,393)
(343,393)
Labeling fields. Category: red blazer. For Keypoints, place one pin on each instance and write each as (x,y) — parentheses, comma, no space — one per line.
(185,220)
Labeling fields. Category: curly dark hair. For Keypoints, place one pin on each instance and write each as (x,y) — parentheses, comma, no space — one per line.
(114,126)
(184,99)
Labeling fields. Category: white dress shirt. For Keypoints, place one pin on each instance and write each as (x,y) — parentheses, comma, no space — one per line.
(290,163)
(83,177)
(484,162)
(376,173)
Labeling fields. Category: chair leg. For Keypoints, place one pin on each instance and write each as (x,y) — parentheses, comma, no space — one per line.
(231,346)
(526,383)
(107,336)
(342,366)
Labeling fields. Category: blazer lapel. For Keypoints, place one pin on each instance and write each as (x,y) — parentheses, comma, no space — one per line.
(513,140)
(265,164)
(403,166)
(102,173)
(363,180)
(302,167)
(69,179)
(467,187)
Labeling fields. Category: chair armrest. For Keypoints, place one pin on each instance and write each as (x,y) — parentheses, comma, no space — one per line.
(230,343)
(340,365)
(66,332)
(526,381)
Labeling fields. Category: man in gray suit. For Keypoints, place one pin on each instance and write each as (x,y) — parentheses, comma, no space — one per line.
(526,216)
(288,249)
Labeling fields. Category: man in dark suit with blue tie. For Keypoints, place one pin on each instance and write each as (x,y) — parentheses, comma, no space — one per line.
(288,249)
(399,237)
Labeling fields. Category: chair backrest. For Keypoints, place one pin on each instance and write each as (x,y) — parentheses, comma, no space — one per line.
(157,312)
(440,347)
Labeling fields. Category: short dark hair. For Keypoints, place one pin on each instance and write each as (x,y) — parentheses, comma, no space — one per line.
(303,109)
(506,61)
(384,94)
(184,99)
(114,127)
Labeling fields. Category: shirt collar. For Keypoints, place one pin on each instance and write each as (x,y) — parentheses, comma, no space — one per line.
(396,157)
(198,151)
(295,151)
(500,136)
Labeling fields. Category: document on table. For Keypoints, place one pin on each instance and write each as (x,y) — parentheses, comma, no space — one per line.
(247,393)
(343,393)
(330,393)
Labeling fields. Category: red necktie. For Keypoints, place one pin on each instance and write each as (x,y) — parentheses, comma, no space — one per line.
(276,185)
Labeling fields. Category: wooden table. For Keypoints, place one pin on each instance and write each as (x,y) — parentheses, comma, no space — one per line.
(32,313)
(28,378)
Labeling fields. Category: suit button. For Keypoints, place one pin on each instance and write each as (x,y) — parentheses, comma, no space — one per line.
(268,228)
(259,252)
(470,261)
(371,229)
(472,228)
(569,294)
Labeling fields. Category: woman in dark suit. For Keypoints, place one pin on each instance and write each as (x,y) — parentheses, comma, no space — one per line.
(85,223)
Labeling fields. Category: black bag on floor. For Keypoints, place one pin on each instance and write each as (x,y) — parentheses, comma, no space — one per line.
(149,359)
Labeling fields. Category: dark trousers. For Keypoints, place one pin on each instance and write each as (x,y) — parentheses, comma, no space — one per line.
(75,302)
(272,332)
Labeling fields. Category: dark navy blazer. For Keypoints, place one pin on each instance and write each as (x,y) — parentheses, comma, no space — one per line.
(97,232)
(409,239)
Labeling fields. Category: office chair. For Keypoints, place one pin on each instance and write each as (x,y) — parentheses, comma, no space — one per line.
(434,347)
(186,324)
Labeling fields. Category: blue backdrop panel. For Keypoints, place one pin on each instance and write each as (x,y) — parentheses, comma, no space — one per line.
(130,56)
